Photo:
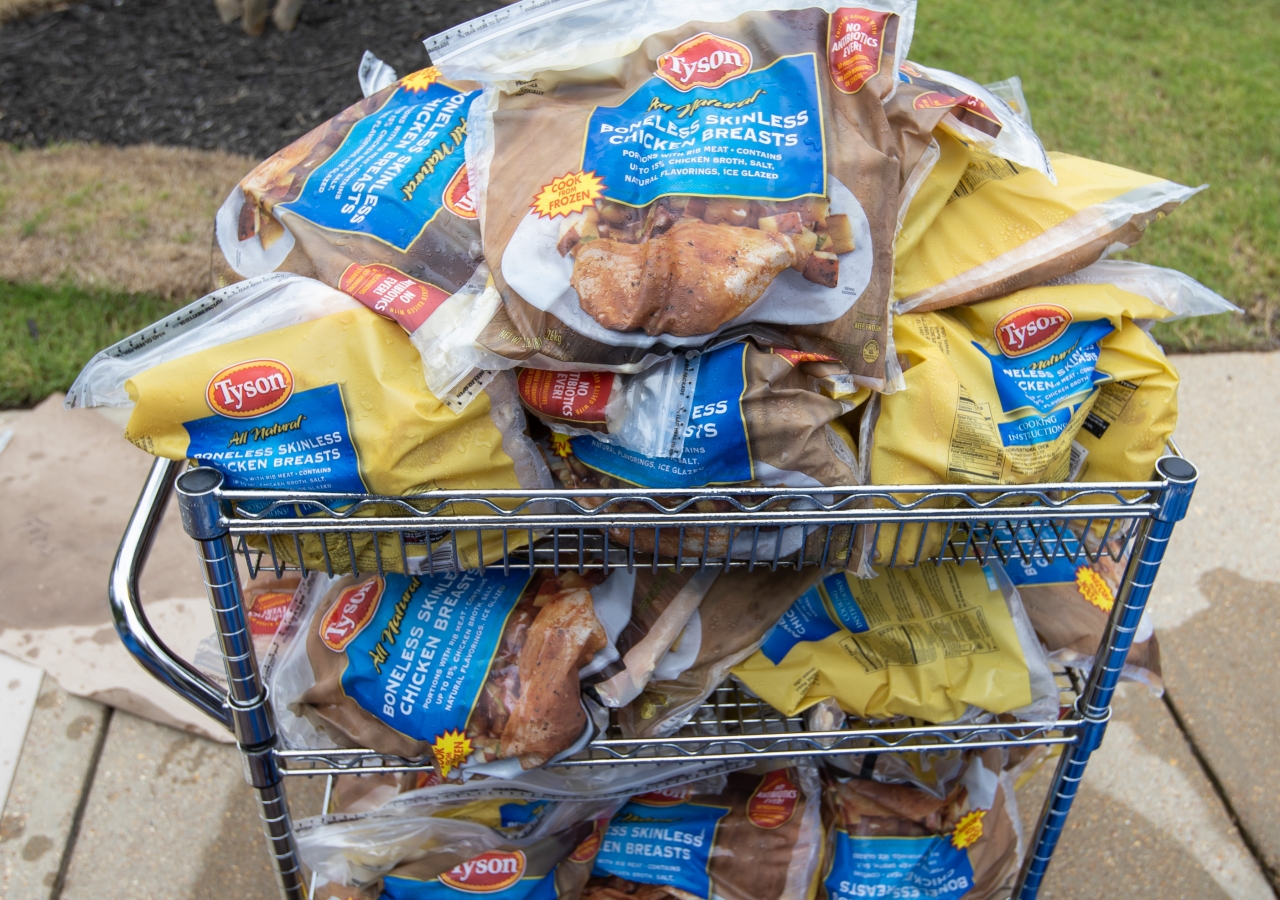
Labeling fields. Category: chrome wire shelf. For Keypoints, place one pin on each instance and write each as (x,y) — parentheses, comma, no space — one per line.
(732,725)
(727,528)
(701,528)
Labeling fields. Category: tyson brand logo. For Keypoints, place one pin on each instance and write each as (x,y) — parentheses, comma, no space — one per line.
(1028,329)
(488,872)
(703,61)
(250,389)
(458,198)
(665,797)
(353,610)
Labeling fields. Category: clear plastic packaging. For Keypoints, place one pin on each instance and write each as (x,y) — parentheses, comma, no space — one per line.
(652,175)
(478,672)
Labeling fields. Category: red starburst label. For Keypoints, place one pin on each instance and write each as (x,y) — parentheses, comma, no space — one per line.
(266,612)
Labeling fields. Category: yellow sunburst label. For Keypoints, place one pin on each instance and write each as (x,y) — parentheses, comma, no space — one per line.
(452,749)
(560,445)
(421,79)
(1094,588)
(968,829)
(568,194)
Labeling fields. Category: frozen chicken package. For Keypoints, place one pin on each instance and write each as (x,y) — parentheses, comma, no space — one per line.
(284,383)
(896,840)
(665,677)
(1055,383)
(744,415)
(685,632)
(448,822)
(932,643)
(653,174)
(998,391)
(1069,598)
(930,103)
(266,600)
(985,226)
(756,835)
(447,863)
(470,668)
(377,203)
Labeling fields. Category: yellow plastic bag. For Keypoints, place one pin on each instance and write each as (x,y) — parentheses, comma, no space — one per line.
(283,383)
(1006,227)
(997,391)
(927,643)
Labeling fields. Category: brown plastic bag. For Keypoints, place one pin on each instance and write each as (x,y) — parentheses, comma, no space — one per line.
(897,840)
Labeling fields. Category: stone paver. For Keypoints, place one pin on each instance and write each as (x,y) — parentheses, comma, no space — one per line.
(56,761)
(170,816)
(1217,599)
(1147,822)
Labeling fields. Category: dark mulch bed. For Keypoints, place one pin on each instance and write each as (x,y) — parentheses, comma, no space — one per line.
(169,72)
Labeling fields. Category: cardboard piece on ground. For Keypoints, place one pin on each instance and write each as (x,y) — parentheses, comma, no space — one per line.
(19,687)
(54,770)
(70,481)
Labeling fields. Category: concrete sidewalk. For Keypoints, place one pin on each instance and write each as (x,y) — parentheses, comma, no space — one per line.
(1180,802)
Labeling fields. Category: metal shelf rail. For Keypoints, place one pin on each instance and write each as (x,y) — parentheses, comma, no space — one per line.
(727,528)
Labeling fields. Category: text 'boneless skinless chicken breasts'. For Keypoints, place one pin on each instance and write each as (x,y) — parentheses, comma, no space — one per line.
(645,187)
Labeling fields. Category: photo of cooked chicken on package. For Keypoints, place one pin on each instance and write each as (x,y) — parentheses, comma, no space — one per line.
(896,840)
(461,668)
(750,836)
(652,183)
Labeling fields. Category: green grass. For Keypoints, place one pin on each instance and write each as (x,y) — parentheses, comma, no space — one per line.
(1181,89)
(1185,90)
(71,325)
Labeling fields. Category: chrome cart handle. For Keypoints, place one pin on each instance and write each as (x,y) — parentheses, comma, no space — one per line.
(128,615)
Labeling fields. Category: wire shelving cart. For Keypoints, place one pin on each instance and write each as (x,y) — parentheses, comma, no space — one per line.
(584,529)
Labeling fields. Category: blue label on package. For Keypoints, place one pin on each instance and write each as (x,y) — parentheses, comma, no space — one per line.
(1064,369)
(421,661)
(388,177)
(715,440)
(1027,563)
(842,601)
(759,135)
(543,888)
(1032,430)
(806,621)
(513,815)
(923,867)
(303,445)
(664,845)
